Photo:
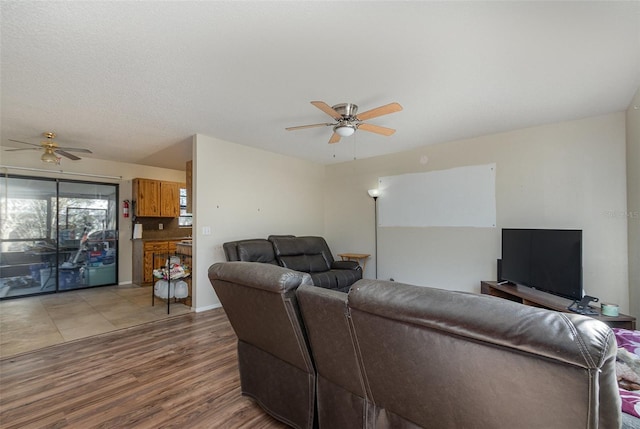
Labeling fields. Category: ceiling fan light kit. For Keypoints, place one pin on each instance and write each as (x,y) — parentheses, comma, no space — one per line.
(49,157)
(348,121)
(345,130)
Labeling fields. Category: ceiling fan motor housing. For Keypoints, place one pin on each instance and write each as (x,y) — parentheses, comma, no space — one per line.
(348,124)
(347,110)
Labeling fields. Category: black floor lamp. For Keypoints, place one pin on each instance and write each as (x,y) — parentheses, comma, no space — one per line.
(375,193)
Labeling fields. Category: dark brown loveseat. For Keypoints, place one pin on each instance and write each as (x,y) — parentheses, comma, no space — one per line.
(391,355)
(306,254)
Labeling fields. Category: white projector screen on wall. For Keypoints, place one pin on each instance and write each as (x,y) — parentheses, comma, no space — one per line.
(458,197)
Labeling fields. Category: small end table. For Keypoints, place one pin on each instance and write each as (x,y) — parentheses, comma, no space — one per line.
(358,257)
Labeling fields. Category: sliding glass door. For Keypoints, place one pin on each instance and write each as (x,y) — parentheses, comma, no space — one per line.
(28,254)
(56,235)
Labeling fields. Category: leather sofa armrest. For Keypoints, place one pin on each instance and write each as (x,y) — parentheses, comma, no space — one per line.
(345,265)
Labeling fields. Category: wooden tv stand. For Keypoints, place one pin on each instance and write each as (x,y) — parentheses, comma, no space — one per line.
(536,298)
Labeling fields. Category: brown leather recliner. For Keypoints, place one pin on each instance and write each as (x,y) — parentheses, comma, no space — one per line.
(276,367)
(341,394)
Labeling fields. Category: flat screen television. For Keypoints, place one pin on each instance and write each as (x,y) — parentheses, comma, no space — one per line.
(545,259)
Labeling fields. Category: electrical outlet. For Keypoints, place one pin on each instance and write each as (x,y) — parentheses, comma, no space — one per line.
(160,226)
(206,230)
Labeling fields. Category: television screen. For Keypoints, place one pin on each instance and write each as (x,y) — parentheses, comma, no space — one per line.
(546,259)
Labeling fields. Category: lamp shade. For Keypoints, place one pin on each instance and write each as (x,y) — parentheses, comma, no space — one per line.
(373,193)
(344,130)
(49,156)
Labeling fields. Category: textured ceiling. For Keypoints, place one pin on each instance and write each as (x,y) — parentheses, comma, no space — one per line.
(132,81)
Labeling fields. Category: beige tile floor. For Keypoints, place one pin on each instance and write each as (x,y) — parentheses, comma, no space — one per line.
(34,322)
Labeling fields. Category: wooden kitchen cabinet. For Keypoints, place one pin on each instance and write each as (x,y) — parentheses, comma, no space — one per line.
(154,257)
(156,198)
(148,256)
(169,199)
(146,193)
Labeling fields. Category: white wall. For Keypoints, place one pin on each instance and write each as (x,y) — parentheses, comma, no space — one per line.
(567,175)
(242,192)
(30,159)
(633,202)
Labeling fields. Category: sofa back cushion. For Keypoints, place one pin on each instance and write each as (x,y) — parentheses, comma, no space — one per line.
(256,251)
(261,306)
(342,401)
(306,254)
(253,250)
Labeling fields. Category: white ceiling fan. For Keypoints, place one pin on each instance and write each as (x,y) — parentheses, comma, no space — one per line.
(51,148)
(348,120)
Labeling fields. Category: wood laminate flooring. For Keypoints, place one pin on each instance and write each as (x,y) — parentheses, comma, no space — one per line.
(180,372)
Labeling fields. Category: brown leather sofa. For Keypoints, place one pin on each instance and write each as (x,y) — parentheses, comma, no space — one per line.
(306,254)
(391,355)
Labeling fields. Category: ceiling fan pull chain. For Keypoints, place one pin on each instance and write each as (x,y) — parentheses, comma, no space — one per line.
(355,144)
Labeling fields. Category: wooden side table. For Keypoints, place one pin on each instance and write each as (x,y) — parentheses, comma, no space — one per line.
(358,257)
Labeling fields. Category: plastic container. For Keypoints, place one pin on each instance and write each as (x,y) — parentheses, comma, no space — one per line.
(160,289)
(35,270)
(68,279)
(181,289)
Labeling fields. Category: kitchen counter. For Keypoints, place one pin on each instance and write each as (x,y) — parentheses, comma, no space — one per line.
(184,248)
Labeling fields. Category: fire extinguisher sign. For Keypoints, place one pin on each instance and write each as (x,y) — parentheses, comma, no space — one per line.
(125,208)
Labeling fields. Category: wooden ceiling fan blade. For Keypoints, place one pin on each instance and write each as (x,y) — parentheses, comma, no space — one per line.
(75,149)
(18,141)
(376,129)
(302,127)
(67,155)
(327,109)
(379,111)
(335,138)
